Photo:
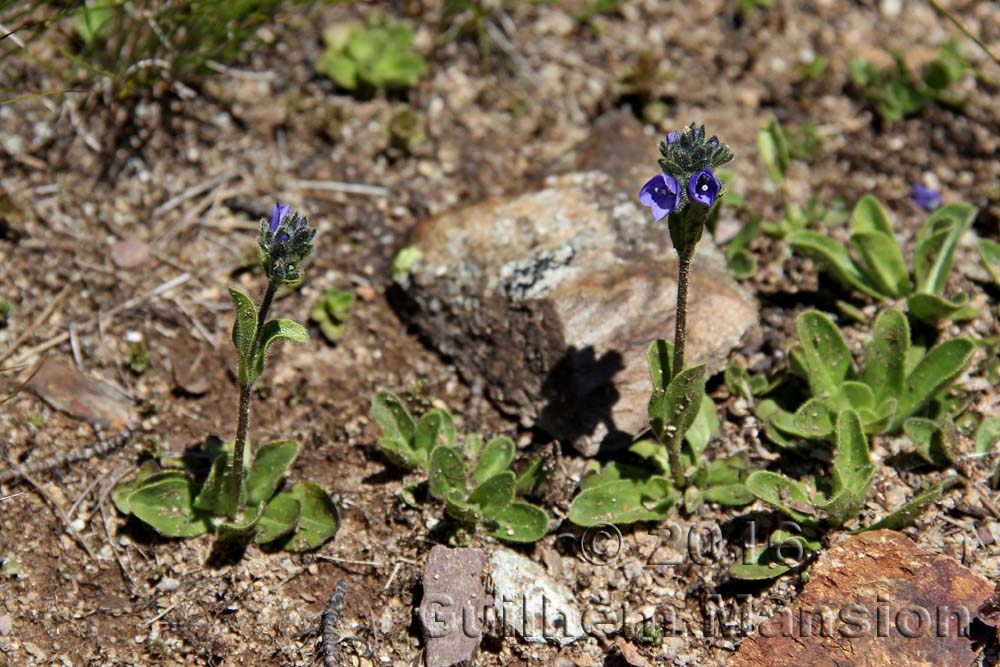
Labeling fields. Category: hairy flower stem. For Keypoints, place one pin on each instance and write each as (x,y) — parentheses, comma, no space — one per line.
(684,257)
(680,321)
(243,424)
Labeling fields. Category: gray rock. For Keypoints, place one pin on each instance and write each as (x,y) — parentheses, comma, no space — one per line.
(551,298)
(530,603)
(452,610)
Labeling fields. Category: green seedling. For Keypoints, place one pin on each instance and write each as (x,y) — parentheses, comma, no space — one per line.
(897,381)
(896,93)
(824,504)
(241,499)
(330,313)
(6,308)
(880,270)
(473,481)
(137,357)
(375,56)
(776,152)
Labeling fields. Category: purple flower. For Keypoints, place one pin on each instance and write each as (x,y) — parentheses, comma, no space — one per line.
(672,137)
(703,187)
(660,194)
(925,197)
(279,213)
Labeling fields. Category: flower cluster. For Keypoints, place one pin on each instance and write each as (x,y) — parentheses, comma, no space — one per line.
(687,164)
(284,241)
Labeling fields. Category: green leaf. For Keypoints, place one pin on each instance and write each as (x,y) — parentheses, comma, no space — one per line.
(737,381)
(341,69)
(757,571)
(989,253)
(987,435)
(318,521)
(623,501)
(734,495)
(216,495)
(436,427)
(652,451)
(275,330)
(149,473)
(885,365)
(936,243)
(851,455)
(705,426)
(773,151)
(856,395)
(280,519)
(660,356)
(813,420)
(462,511)
(495,459)
(934,372)
(520,522)
(852,470)
(908,513)
(166,505)
(933,441)
(784,494)
(932,308)
(472,446)
(825,353)
(270,465)
(398,431)
(884,267)
(613,472)
(244,331)
(869,216)
(243,529)
(680,403)
(835,258)
(447,473)
(399,70)
(532,475)
(493,495)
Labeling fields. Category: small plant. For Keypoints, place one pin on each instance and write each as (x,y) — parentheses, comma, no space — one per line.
(896,93)
(239,498)
(136,44)
(880,270)
(776,152)
(374,56)
(330,313)
(6,308)
(824,504)
(684,193)
(474,482)
(137,357)
(898,381)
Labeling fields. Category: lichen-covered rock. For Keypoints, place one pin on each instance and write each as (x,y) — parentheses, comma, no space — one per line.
(551,298)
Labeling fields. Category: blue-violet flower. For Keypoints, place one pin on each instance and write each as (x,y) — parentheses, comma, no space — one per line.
(660,194)
(703,187)
(925,197)
(284,242)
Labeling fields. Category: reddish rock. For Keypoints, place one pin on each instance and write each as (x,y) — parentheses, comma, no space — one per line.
(874,600)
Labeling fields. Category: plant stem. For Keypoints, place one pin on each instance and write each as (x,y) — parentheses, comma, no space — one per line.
(243,423)
(680,321)
(684,257)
